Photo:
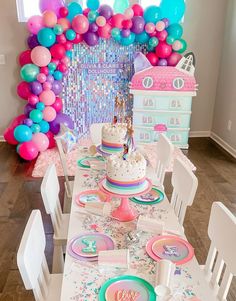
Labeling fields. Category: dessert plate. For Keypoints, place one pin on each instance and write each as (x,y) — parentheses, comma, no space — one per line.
(154,196)
(90,196)
(173,248)
(88,245)
(86,161)
(130,288)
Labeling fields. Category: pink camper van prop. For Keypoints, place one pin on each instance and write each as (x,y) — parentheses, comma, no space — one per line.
(163,96)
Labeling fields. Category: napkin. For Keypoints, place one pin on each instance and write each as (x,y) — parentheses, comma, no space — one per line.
(114,259)
(150,225)
(98,208)
(164,271)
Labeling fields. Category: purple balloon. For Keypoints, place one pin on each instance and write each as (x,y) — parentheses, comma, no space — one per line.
(106,11)
(50,79)
(91,38)
(125,33)
(162,62)
(61,118)
(57,87)
(53,5)
(32,41)
(28,108)
(28,122)
(93,27)
(36,88)
(138,24)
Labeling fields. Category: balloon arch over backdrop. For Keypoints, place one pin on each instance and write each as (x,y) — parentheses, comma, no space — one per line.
(50,43)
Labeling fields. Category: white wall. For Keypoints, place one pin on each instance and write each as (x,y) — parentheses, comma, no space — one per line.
(225,106)
(203,30)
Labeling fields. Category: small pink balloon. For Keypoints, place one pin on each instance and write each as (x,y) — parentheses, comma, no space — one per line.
(41,141)
(49,18)
(55,61)
(174,58)
(129,13)
(149,27)
(34,24)
(47,97)
(65,60)
(47,86)
(160,26)
(41,77)
(49,114)
(162,35)
(40,56)
(101,21)
(33,99)
(80,24)
(177,45)
(105,31)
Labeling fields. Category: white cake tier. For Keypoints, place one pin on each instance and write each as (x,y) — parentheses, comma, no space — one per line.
(113,137)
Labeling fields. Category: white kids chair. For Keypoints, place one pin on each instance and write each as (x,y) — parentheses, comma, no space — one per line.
(185,185)
(96,133)
(32,263)
(164,151)
(68,184)
(50,193)
(222,233)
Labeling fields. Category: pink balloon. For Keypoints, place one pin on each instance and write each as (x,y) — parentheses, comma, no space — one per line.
(41,141)
(129,13)
(34,24)
(49,114)
(177,45)
(174,58)
(116,21)
(47,97)
(65,60)
(58,105)
(40,56)
(163,50)
(28,150)
(9,136)
(105,31)
(65,23)
(101,21)
(80,24)
(149,27)
(49,18)
(33,99)
(47,86)
(160,26)
(162,35)
(41,77)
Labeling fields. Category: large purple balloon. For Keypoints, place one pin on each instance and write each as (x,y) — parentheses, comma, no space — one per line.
(50,79)
(106,11)
(138,24)
(93,27)
(91,38)
(57,87)
(28,108)
(53,5)
(61,118)
(32,41)
(36,88)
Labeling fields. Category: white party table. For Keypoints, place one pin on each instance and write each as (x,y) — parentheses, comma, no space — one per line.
(82,280)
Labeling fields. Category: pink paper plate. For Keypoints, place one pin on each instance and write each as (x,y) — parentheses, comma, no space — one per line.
(173,248)
(90,196)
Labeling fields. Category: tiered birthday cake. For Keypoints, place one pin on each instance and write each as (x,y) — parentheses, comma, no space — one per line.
(113,137)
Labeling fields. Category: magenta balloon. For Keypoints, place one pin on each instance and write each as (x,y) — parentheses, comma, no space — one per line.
(91,38)
(61,118)
(106,11)
(53,5)
(93,27)
(138,24)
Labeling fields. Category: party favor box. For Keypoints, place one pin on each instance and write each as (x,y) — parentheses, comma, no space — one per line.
(163,100)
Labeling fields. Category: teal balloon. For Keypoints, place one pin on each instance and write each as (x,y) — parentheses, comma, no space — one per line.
(44,126)
(36,116)
(184,46)
(70,34)
(74,9)
(22,133)
(173,10)
(17,148)
(170,40)
(93,4)
(46,37)
(40,106)
(58,75)
(115,32)
(58,29)
(29,72)
(69,54)
(52,66)
(120,6)
(153,42)
(175,30)
(142,37)
(129,40)
(150,48)
(152,14)
(117,38)
(92,16)
(35,128)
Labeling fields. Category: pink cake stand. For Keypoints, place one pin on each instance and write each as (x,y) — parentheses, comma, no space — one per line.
(125,212)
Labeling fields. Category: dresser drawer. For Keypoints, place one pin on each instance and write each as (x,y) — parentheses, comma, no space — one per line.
(170,119)
(173,103)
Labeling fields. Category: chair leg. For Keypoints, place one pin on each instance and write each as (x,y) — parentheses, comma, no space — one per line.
(58,260)
(67,203)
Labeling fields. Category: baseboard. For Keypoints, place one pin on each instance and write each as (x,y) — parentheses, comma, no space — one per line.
(195,134)
(223,144)
(2,139)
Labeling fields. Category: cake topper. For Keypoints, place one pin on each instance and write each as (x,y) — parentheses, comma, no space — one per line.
(114,122)
(125,152)
(130,134)
(120,107)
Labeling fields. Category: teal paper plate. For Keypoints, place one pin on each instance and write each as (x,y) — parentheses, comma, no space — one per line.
(127,287)
(155,196)
(84,161)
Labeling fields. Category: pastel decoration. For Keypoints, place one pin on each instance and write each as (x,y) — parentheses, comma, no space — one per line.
(91,246)
(34,24)
(47,97)
(69,138)
(41,141)
(49,114)
(49,18)
(40,56)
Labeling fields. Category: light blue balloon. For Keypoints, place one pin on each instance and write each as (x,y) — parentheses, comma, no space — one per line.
(74,9)
(142,37)
(173,10)
(153,14)
(35,128)
(70,34)
(22,133)
(129,40)
(40,106)
(115,32)
(46,37)
(93,4)
(69,54)
(175,31)
(58,75)
(44,126)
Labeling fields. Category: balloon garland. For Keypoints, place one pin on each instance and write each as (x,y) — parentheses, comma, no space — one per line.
(50,43)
